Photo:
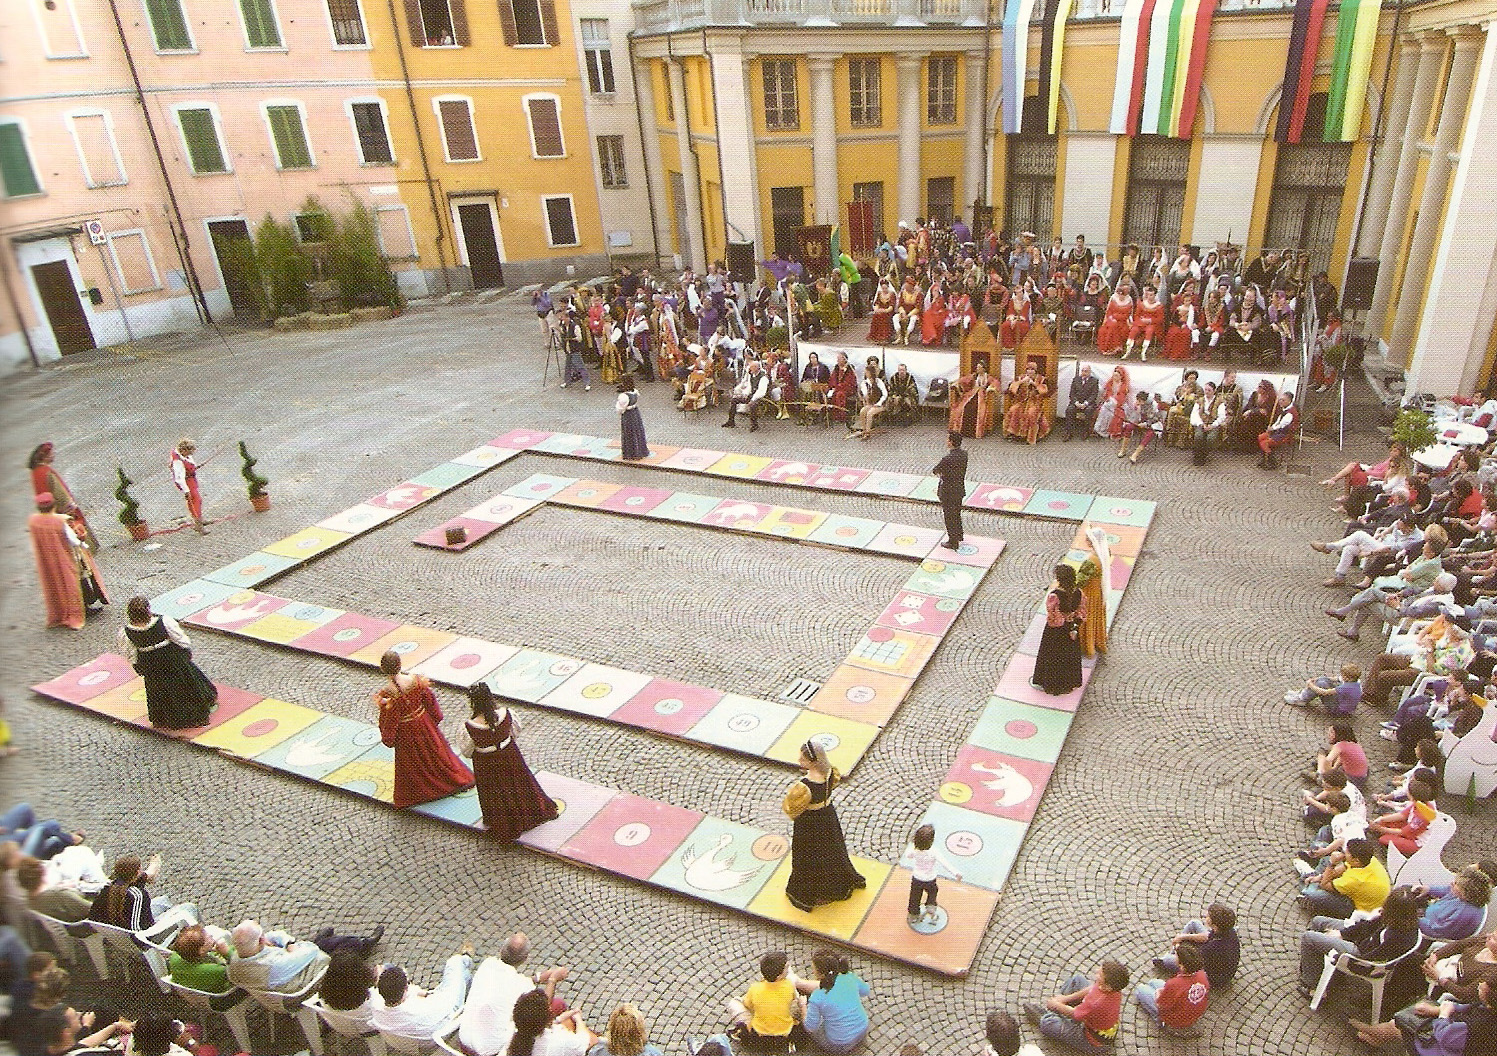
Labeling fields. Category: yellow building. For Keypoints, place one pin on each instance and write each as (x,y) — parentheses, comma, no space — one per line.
(484,103)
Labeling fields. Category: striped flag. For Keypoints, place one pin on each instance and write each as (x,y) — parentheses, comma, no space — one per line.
(1364,37)
(1052,46)
(1141,64)
(1015,61)
(1189,86)
(1299,68)
(1128,59)
(1160,43)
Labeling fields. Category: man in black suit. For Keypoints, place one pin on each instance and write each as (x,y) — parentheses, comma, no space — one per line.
(1084,395)
(952,490)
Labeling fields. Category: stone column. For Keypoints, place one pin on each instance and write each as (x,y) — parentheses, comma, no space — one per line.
(974,105)
(823,138)
(1462,300)
(735,139)
(1468,41)
(1385,165)
(911,102)
(1431,52)
(689,174)
(644,86)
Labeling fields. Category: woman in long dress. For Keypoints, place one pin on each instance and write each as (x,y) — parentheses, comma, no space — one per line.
(972,399)
(426,768)
(1115,393)
(631,422)
(1057,667)
(508,794)
(178,694)
(820,869)
(45,478)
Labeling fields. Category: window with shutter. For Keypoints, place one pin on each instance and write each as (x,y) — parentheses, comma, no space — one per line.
(348,23)
(530,26)
(458,136)
(369,128)
(15,163)
(863,93)
(545,126)
(97,150)
(432,23)
(781,108)
(290,136)
(397,241)
(940,90)
(169,25)
(561,228)
(611,161)
(132,261)
(260,27)
(597,54)
(200,133)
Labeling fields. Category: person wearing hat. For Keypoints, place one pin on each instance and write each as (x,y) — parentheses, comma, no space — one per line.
(185,477)
(45,478)
(71,586)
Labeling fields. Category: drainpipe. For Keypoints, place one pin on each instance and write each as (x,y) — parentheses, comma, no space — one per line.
(184,251)
(644,150)
(431,191)
(15,306)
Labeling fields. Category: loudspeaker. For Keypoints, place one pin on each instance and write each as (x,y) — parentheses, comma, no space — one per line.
(1361,280)
(741,263)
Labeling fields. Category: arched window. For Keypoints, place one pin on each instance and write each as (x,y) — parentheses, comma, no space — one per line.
(1029,192)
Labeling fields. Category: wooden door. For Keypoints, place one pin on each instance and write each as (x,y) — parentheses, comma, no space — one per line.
(236,262)
(54,283)
(477,221)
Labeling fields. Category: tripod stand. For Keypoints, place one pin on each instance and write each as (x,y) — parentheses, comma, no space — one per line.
(553,357)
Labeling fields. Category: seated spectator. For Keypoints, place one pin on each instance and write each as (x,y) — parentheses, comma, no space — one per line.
(60,903)
(1405,828)
(1177,1002)
(487,1022)
(1344,753)
(25,1025)
(1415,579)
(159,1035)
(627,1036)
(125,903)
(1440,647)
(1359,882)
(1458,968)
(198,962)
(1317,812)
(765,1017)
(1387,935)
(1337,698)
(1362,545)
(1085,1015)
(60,1030)
(40,839)
(1454,910)
(1003,1037)
(1330,842)
(835,1017)
(348,988)
(1444,1028)
(1217,940)
(411,1012)
(540,1032)
(1430,763)
(272,962)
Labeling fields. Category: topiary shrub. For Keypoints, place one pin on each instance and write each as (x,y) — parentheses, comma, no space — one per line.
(254,482)
(129,508)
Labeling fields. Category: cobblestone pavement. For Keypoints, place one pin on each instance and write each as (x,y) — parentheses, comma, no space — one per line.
(1177,785)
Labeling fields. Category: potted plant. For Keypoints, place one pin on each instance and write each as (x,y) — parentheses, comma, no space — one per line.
(130,509)
(1339,355)
(1414,429)
(255,484)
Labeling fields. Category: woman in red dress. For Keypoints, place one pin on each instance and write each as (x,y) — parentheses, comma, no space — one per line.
(508,793)
(933,316)
(426,768)
(45,478)
(881,323)
(1115,323)
(1184,335)
(1018,316)
(843,390)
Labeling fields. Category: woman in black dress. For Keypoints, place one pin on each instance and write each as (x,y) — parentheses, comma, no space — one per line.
(511,799)
(178,695)
(1057,667)
(820,870)
(631,422)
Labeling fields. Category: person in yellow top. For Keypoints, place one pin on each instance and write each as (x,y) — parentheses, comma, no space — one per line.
(1360,882)
(767,1014)
(820,869)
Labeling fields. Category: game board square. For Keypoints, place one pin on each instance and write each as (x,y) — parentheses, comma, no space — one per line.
(371,775)
(290,622)
(238,610)
(1106,509)
(502,509)
(658,455)
(791,523)
(125,702)
(723,862)
(587,493)
(530,674)
(104,672)
(1127,540)
(519,439)
(921,613)
(780,471)
(999,497)
(538,486)
(1058,505)
(944,579)
(950,949)
(845,740)
(686,507)
(635,500)
(486,456)
(575,444)
(837,478)
(667,707)
(851,533)
(404,496)
(308,543)
(258,728)
(232,702)
(980,846)
(595,690)
(474,531)
(893,652)
(1025,730)
(926,489)
(904,540)
(738,465)
(974,550)
(1014,684)
(744,724)
(346,635)
(1113,599)
(448,475)
(414,644)
(737,515)
(461,808)
(1121,571)
(631,835)
(253,570)
(881,482)
(322,747)
(464,661)
(856,693)
(578,802)
(1006,786)
(359,518)
(192,597)
(695,459)
(839,920)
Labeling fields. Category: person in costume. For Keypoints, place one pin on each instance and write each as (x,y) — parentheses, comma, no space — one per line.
(933,315)
(1177,432)
(71,587)
(1018,316)
(972,402)
(1109,423)
(632,442)
(511,799)
(1093,636)
(426,768)
(820,870)
(1026,418)
(185,476)
(45,478)
(1147,325)
(881,313)
(1183,338)
(178,694)
(1116,321)
(904,396)
(1057,665)
(907,309)
(842,389)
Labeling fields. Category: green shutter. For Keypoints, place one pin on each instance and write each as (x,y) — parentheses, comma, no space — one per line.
(259,24)
(202,140)
(15,163)
(290,137)
(169,25)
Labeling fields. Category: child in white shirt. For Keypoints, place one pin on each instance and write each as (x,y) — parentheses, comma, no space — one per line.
(924,863)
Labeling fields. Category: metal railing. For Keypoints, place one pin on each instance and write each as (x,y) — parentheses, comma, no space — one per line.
(657,15)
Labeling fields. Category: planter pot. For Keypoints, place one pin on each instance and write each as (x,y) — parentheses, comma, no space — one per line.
(260,503)
(140,531)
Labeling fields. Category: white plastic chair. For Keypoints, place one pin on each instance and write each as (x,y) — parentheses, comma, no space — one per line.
(398,1043)
(346,1026)
(1471,761)
(232,1005)
(133,950)
(446,1040)
(1374,973)
(1424,865)
(66,938)
(276,1003)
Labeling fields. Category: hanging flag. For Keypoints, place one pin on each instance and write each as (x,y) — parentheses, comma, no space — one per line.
(1175,95)
(1363,40)
(1299,68)
(1190,93)
(1052,47)
(1015,61)
(1346,27)
(1176,54)
(1158,50)
(1141,64)
(1128,58)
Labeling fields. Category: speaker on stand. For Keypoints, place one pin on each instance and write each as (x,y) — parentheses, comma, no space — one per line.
(1361,282)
